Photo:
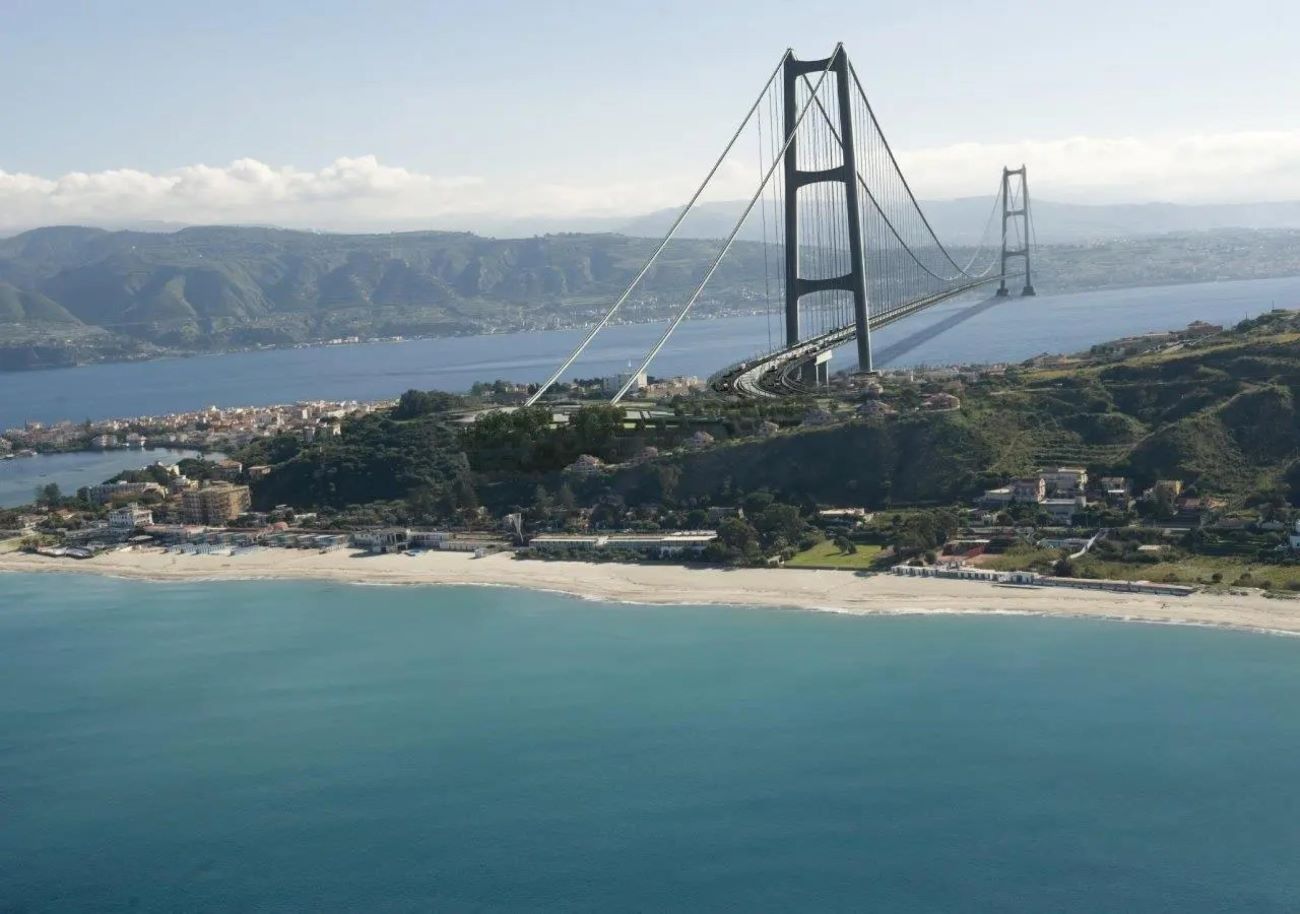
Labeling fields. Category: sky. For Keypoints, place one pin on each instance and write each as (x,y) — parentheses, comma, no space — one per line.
(399,114)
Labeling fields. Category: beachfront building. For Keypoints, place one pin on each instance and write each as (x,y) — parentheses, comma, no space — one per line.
(215,504)
(662,545)
(129,517)
(384,541)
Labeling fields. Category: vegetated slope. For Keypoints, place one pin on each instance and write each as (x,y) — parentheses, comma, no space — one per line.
(245,284)
(19,306)
(1219,414)
(1222,417)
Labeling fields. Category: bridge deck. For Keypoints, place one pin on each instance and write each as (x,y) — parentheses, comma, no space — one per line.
(776,374)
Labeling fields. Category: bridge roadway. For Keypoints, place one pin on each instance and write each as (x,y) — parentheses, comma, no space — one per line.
(778,374)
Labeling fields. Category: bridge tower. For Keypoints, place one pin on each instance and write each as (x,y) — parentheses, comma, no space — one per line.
(855,281)
(1015,205)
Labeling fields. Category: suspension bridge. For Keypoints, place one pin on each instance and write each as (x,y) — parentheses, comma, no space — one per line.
(845,242)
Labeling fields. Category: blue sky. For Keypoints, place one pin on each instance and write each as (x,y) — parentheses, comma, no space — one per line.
(616,107)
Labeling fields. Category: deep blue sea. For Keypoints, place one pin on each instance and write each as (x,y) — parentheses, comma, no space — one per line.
(1010,329)
(308,747)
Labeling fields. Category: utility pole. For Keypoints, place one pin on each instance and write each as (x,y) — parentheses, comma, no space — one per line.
(1011,210)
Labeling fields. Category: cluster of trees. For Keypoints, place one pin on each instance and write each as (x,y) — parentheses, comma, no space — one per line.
(416,403)
(377,458)
(767,528)
(524,441)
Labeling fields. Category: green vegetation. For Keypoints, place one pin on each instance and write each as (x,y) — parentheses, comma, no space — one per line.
(1217,413)
(829,554)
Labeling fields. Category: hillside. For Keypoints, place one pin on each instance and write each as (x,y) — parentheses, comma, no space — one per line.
(236,286)
(1217,412)
(70,294)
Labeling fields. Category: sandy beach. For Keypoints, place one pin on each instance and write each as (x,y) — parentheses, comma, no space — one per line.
(836,591)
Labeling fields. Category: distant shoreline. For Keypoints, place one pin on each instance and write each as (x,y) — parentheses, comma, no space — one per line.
(819,590)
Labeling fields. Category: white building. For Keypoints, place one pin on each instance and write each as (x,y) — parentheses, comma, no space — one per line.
(664,545)
(1064,481)
(129,517)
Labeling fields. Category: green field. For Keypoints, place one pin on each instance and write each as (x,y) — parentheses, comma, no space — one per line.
(826,555)
(1198,569)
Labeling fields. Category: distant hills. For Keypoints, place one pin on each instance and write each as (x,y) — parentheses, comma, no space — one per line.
(221,287)
(71,294)
(962,221)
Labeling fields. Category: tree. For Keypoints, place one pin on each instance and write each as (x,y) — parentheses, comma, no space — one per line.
(542,505)
(566,498)
(49,495)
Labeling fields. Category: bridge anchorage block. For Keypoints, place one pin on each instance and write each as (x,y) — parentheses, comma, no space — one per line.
(1003,292)
(817,373)
(1028,292)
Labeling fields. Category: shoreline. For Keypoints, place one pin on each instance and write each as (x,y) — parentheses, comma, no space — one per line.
(784,588)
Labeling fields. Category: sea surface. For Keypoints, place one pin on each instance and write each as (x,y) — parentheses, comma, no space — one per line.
(22,476)
(1005,329)
(292,746)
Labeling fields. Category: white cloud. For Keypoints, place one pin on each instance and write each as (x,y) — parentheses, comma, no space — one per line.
(1204,168)
(363,193)
(348,191)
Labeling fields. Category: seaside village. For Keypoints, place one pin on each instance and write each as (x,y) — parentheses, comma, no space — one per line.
(1059,526)
(1059,511)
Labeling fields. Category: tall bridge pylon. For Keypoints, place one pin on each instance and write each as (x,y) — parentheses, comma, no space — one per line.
(845,174)
(854,251)
(1015,216)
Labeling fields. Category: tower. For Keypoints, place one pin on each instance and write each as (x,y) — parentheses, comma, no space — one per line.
(1015,205)
(855,281)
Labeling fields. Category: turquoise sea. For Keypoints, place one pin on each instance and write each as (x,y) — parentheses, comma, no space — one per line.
(308,747)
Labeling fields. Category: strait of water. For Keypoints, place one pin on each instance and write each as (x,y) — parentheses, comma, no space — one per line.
(22,476)
(1012,329)
(308,747)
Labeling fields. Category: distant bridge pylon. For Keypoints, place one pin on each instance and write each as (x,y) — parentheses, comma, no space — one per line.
(856,251)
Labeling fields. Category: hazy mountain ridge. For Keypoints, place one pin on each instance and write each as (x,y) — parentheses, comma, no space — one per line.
(963,221)
(72,294)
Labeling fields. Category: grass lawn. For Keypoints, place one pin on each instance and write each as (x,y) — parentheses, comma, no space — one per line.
(1197,569)
(1019,557)
(826,555)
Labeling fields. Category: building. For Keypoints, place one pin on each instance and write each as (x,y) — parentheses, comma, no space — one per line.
(104,493)
(1170,488)
(1064,482)
(615,384)
(215,504)
(1062,510)
(1295,537)
(663,545)
(1030,488)
(129,517)
(1116,492)
(941,402)
(227,469)
(585,465)
(104,442)
(384,541)
(997,498)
